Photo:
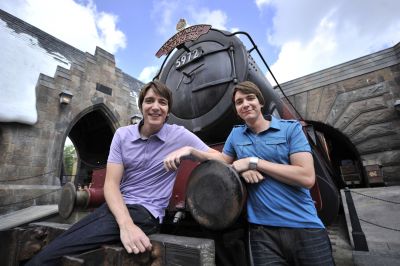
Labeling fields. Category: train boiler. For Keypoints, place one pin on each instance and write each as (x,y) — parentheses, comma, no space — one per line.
(201,67)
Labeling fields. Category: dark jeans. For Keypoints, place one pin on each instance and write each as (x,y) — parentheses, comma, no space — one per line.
(93,231)
(290,246)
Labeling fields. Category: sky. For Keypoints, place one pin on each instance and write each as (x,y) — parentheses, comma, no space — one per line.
(296,37)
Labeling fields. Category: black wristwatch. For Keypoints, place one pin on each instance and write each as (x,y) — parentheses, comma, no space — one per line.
(253,163)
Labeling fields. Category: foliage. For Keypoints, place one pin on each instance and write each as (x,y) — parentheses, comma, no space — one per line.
(69,154)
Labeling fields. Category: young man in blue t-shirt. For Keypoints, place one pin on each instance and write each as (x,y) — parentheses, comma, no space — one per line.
(274,158)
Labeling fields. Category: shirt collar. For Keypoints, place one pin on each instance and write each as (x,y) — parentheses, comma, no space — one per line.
(161,134)
(274,123)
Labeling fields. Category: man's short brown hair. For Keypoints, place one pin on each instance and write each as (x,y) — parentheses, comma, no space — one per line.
(160,89)
(248,87)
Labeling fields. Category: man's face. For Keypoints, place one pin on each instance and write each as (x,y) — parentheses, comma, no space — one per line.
(247,106)
(154,109)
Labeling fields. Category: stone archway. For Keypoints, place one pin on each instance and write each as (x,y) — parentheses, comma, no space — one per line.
(91,133)
(342,154)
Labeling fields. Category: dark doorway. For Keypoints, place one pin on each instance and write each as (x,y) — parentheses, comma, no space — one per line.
(91,135)
(341,153)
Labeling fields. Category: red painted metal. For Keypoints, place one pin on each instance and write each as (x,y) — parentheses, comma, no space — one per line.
(98,177)
(177,201)
(96,188)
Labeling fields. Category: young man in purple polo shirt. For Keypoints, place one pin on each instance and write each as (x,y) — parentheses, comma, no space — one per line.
(274,158)
(138,183)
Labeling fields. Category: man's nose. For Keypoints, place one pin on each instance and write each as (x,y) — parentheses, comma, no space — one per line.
(155,106)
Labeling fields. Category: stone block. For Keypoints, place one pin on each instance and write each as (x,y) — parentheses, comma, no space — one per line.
(15,197)
(301,103)
(63,73)
(385,158)
(366,118)
(354,109)
(45,83)
(380,144)
(328,98)
(343,100)
(8,173)
(313,102)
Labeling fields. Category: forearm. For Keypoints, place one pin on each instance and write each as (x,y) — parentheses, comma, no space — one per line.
(172,161)
(117,205)
(211,154)
(289,174)
(299,173)
(113,196)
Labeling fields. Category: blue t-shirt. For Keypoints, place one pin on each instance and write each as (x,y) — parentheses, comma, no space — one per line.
(272,202)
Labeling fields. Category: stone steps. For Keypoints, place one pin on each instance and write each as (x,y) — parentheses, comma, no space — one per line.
(27,215)
(341,248)
(17,197)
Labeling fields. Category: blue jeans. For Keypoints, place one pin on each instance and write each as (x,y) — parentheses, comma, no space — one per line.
(93,231)
(290,246)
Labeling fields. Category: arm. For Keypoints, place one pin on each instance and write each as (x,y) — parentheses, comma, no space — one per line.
(300,172)
(131,235)
(172,161)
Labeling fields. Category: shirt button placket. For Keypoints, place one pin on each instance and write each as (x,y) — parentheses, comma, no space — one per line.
(145,155)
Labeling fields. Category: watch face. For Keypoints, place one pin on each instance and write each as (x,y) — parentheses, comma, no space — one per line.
(253,163)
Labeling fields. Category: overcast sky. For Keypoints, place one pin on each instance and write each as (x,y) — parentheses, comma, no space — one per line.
(296,37)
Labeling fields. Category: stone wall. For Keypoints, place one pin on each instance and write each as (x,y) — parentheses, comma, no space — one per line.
(32,154)
(357,98)
(34,150)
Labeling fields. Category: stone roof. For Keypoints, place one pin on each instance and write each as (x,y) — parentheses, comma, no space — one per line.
(366,64)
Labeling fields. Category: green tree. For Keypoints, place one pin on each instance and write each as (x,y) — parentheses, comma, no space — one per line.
(69,154)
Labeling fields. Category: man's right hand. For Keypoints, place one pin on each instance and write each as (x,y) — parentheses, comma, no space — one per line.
(134,239)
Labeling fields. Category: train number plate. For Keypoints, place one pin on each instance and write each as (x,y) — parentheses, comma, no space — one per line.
(188,57)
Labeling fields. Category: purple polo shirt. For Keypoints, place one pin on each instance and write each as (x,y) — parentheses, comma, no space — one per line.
(145,181)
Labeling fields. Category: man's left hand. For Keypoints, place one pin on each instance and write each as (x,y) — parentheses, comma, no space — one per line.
(252,176)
